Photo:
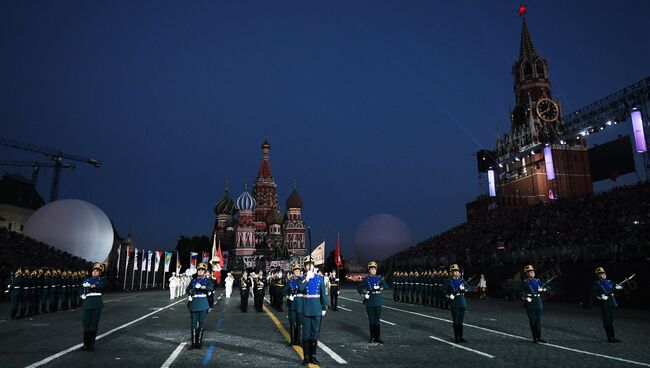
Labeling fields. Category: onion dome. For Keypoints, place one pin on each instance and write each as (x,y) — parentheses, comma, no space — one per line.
(245,201)
(274,218)
(294,200)
(225,206)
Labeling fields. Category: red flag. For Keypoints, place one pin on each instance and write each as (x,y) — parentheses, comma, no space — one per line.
(217,273)
(337,253)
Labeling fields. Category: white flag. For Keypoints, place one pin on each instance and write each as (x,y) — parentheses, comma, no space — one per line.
(135,260)
(119,251)
(157,261)
(144,261)
(149,255)
(318,254)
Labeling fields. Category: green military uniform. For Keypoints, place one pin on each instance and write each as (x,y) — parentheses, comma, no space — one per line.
(16,293)
(603,290)
(92,289)
(371,287)
(294,306)
(312,287)
(45,295)
(198,306)
(455,290)
(55,291)
(531,291)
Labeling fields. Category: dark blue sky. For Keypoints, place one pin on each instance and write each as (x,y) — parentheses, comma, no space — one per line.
(371,106)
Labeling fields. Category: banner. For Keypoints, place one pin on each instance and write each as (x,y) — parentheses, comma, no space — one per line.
(158,256)
(193,258)
(149,255)
(119,251)
(144,261)
(168,260)
(318,255)
(206,257)
(178,264)
(135,260)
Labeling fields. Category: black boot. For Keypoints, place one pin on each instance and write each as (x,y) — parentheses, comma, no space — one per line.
(460,333)
(534,331)
(292,333)
(539,334)
(296,333)
(306,349)
(91,340)
(372,333)
(193,337)
(312,353)
(611,330)
(378,334)
(199,338)
(456,333)
(85,345)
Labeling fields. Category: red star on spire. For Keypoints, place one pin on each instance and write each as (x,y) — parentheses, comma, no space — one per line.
(522,10)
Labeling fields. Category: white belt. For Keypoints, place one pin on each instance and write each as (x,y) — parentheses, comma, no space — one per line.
(311,296)
(16,287)
(64,286)
(93,294)
(45,287)
(200,296)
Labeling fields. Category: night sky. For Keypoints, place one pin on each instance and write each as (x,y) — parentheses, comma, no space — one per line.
(370,106)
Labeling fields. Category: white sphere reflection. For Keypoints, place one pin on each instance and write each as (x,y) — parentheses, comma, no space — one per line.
(75,226)
(380,236)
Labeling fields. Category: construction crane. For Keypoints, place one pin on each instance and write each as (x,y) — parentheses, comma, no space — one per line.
(55,155)
(36,167)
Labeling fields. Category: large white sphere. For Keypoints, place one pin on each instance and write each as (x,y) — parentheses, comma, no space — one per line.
(75,226)
(380,236)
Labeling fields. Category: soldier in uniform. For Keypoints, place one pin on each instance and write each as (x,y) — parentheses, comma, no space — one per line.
(258,292)
(294,304)
(55,290)
(312,287)
(371,287)
(92,305)
(455,290)
(65,283)
(45,296)
(198,306)
(530,291)
(334,291)
(16,293)
(74,291)
(280,281)
(443,281)
(395,286)
(434,293)
(245,286)
(603,291)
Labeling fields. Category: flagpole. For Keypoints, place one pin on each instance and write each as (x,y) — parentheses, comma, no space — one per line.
(155,256)
(126,266)
(164,279)
(133,276)
(141,270)
(146,284)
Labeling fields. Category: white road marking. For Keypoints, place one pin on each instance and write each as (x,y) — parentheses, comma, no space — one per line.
(68,350)
(331,353)
(390,323)
(345,309)
(174,355)
(516,336)
(462,347)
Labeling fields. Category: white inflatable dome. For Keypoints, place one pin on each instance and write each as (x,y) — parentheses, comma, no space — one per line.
(380,236)
(75,226)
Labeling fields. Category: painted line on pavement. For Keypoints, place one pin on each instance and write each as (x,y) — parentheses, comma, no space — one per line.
(174,355)
(516,336)
(462,347)
(331,353)
(73,348)
(390,323)
(344,308)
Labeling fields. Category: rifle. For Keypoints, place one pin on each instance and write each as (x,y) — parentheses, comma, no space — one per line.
(626,280)
(471,278)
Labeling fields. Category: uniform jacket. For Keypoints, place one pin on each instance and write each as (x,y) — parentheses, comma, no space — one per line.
(605,287)
(199,300)
(457,287)
(314,295)
(373,285)
(93,301)
(530,289)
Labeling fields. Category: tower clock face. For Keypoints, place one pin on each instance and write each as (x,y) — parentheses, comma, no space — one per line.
(547,110)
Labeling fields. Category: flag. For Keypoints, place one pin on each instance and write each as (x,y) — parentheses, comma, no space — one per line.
(337,253)
(219,266)
(318,255)
(206,257)
(158,255)
(168,260)
(178,264)
(215,255)
(144,261)
(128,255)
(119,250)
(149,255)
(135,260)
(193,258)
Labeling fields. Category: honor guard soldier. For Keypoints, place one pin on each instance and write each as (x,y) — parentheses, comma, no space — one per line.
(312,287)
(371,287)
(444,280)
(531,292)
(198,306)
(258,292)
(455,290)
(278,282)
(65,290)
(55,290)
(294,304)
(245,286)
(334,291)
(603,291)
(395,286)
(16,293)
(45,296)
(92,305)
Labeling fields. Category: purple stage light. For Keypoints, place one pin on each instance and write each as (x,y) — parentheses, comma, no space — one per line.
(548,159)
(491,185)
(639,135)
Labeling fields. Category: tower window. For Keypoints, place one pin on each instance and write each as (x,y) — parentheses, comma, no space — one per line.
(528,70)
(540,70)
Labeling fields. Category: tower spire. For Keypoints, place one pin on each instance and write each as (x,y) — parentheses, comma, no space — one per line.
(526,46)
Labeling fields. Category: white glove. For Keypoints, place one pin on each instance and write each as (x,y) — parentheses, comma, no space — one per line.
(198,286)
(86,284)
(323,313)
(541,289)
(367,296)
(310,275)
(83,297)
(338,293)
(528,299)
(462,287)
(618,287)
(604,297)
(452,296)
(291,297)
(376,287)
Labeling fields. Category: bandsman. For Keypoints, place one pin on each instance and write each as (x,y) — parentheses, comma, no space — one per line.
(258,291)
(371,287)
(245,286)
(603,290)
(531,292)
(334,291)
(312,287)
(197,304)
(91,294)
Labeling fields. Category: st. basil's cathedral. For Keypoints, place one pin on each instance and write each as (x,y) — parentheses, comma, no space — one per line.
(252,229)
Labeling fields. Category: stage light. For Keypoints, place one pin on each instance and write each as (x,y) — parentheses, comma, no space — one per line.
(609,122)
(501,165)
(562,142)
(491,185)
(602,127)
(533,152)
(517,159)
(637,127)
(548,160)
(583,133)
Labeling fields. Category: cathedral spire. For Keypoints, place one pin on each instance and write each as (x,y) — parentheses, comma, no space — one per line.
(526,46)
(264,173)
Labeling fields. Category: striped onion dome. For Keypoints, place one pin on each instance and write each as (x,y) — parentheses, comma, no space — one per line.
(225,206)
(245,201)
